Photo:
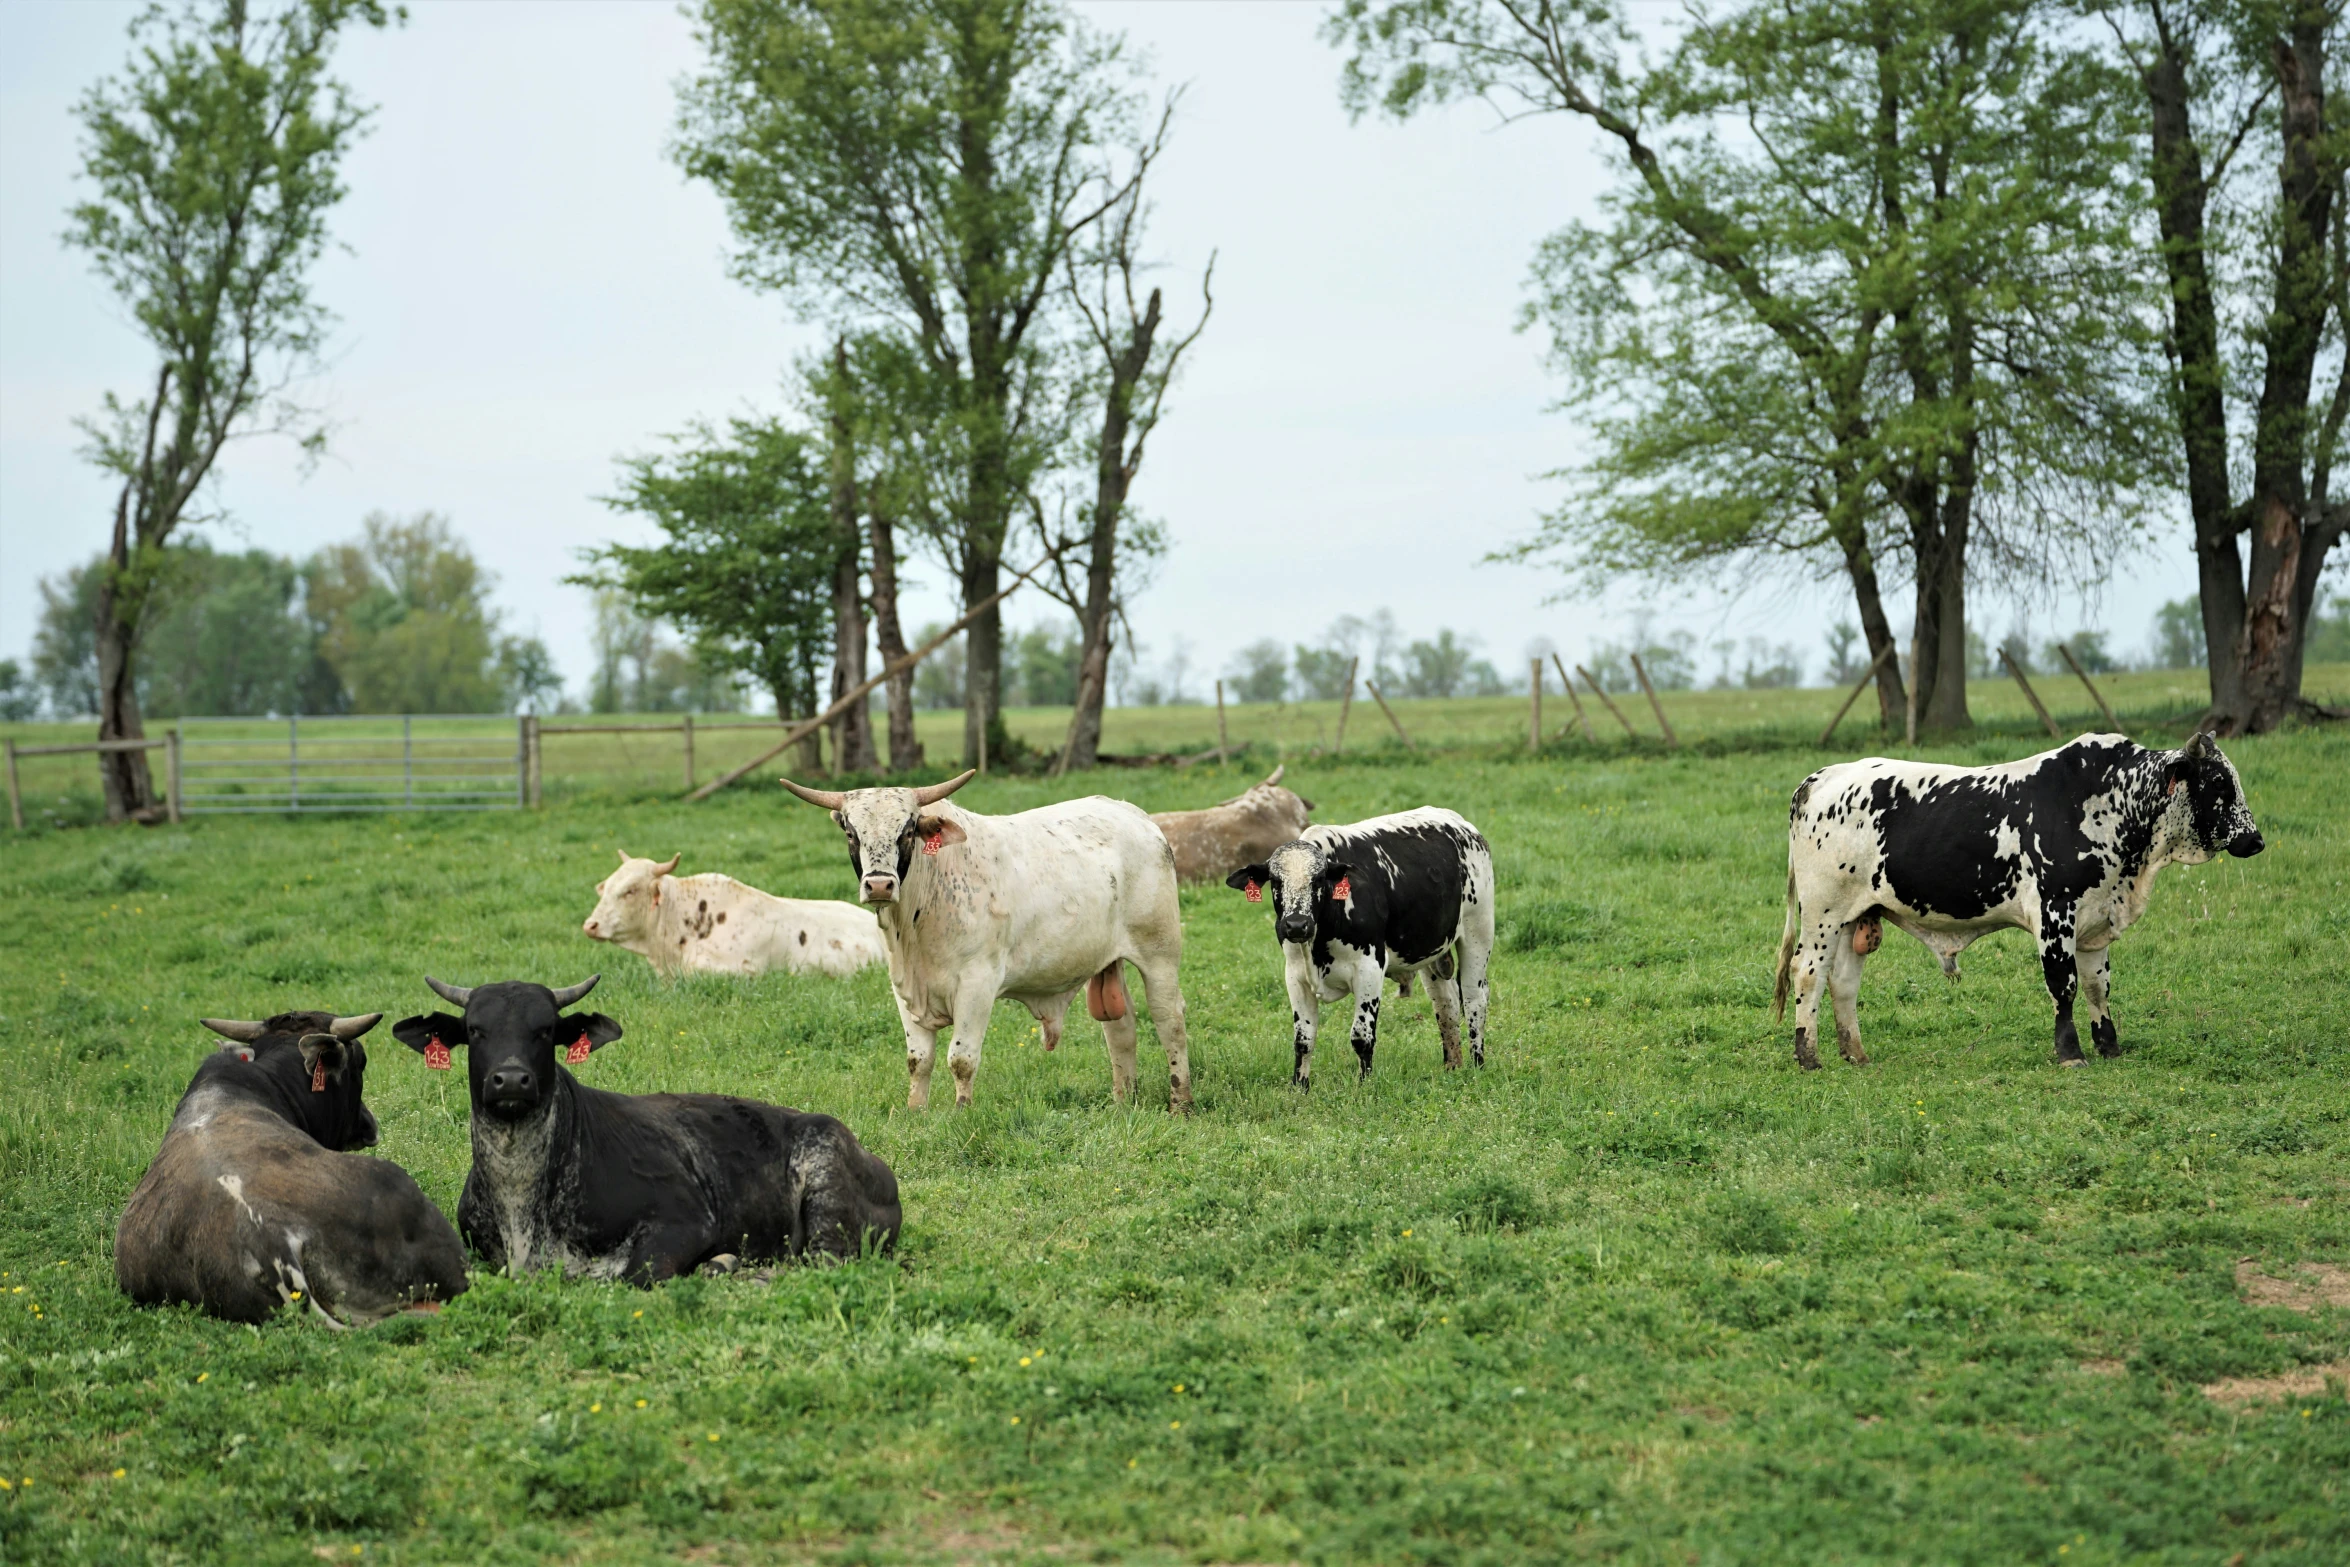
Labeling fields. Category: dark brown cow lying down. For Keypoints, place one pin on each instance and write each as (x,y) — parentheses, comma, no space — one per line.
(249,1205)
(1210,845)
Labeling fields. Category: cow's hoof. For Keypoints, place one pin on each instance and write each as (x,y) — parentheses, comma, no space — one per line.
(1805,1056)
(720,1266)
(2072,1061)
(2108,1038)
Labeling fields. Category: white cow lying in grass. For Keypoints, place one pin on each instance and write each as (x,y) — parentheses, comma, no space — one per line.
(713,924)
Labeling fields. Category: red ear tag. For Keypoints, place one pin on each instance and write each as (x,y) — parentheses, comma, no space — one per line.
(244,1053)
(2173,789)
(1256,894)
(1344,889)
(436,1054)
(578,1051)
(933,843)
(318,1077)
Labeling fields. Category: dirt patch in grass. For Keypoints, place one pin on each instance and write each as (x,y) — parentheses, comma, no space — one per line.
(2302,1382)
(2311,1285)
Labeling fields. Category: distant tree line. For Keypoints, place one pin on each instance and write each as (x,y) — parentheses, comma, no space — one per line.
(396,620)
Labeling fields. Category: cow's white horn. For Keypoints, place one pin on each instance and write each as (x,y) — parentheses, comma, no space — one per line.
(931,794)
(571,993)
(347,1029)
(231,1028)
(667,866)
(455,995)
(1274,776)
(830,799)
(623,853)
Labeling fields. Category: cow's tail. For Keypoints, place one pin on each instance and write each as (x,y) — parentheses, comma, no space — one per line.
(1786,949)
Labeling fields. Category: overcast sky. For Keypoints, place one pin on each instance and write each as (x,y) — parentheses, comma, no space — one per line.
(532,289)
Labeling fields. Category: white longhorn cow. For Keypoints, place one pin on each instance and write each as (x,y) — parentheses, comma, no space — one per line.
(1030,906)
(713,924)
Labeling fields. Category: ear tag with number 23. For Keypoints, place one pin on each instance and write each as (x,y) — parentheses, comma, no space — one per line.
(1345,888)
(1256,894)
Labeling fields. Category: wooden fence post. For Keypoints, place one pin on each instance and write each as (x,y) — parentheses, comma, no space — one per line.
(535,775)
(1223,744)
(689,753)
(1581,717)
(1858,686)
(171,775)
(2095,695)
(1629,731)
(1391,718)
(1534,713)
(15,798)
(1654,706)
(2030,695)
(1346,702)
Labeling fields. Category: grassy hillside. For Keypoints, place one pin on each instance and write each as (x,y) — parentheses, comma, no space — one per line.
(1637,1291)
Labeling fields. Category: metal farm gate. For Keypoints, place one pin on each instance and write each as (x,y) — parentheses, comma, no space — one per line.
(437,762)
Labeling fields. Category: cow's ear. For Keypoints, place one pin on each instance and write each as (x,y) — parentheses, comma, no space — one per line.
(593,1027)
(420,1031)
(2202,748)
(1335,871)
(323,1056)
(938,827)
(1249,876)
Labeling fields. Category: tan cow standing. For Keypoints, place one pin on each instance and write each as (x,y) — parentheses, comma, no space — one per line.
(713,924)
(1210,845)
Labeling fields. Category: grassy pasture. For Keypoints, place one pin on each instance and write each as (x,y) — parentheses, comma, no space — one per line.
(1638,1291)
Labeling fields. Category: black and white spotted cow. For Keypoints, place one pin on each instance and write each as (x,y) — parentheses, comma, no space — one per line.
(1395,895)
(2064,845)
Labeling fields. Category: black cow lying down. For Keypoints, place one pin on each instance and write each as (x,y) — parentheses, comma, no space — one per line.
(2064,845)
(641,1187)
(249,1205)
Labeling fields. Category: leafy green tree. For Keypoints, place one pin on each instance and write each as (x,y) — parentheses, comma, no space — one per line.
(2178,635)
(1843,666)
(918,170)
(212,163)
(2247,152)
(1857,302)
(1320,672)
(2329,631)
(65,640)
(938,679)
(1041,666)
(20,695)
(747,565)
(1438,668)
(228,635)
(405,619)
(1260,672)
(2088,650)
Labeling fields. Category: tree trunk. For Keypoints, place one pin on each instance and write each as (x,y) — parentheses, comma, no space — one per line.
(2270,641)
(983,655)
(905,752)
(124,776)
(1876,630)
(1114,475)
(852,731)
(2199,387)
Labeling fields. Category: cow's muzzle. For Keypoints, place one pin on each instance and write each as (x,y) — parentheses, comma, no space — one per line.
(369,1133)
(2246,844)
(1294,930)
(594,929)
(509,1091)
(878,889)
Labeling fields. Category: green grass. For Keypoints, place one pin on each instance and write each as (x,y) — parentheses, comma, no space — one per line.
(1638,1291)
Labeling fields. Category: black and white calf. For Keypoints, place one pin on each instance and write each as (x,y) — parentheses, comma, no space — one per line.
(641,1187)
(1394,896)
(2064,845)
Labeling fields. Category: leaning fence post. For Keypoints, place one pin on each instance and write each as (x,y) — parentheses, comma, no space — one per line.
(171,774)
(293,761)
(1581,717)
(15,799)
(1391,718)
(1607,703)
(1858,686)
(537,786)
(1346,702)
(1223,745)
(689,753)
(2095,695)
(2030,695)
(1654,705)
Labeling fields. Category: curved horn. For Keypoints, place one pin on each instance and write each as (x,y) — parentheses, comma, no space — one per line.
(347,1029)
(571,993)
(1274,776)
(230,1028)
(666,866)
(931,794)
(455,995)
(623,853)
(830,799)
